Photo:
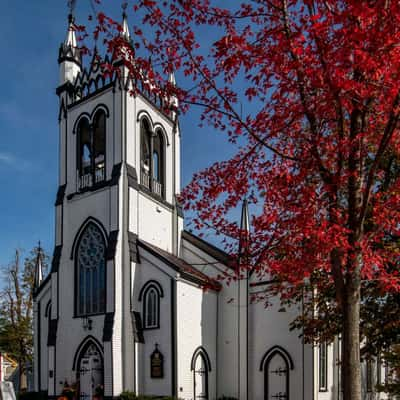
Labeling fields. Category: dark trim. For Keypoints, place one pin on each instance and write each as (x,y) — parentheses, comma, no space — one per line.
(108,327)
(47,310)
(271,352)
(60,195)
(197,352)
(197,277)
(39,345)
(143,297)
(83,226)
(42,286)
(78,120)
(321,387)
(65,87)
(137,327)
(55,263)
(112,245)
(144,114)
(52,335)
(62,112)
(89,96)
(263,283)
(132,177)
(266,374)
(90,117)
(147,285)
(211,250)
(133,247)
(159,127)
(174,341)
(115,174)
(200,352)
(81,351)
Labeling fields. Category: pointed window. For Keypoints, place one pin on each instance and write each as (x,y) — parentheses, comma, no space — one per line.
(91,150)
(323,367)
(91,271)
(150,295)
(201,368)
(152,159)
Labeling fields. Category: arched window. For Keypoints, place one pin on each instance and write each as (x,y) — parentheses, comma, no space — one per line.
(201,368)
(84,147)
(152,159)
(91,150)
(99,145)
(90,259)
(158,164)
(150,295)
(145,152)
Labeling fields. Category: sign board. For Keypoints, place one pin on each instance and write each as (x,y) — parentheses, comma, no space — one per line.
(157,364)
(7,391)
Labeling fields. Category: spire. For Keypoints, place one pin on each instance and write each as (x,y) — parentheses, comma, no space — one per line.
(125,27)
(171,79)
(245,222)
(69,56)
(38,268)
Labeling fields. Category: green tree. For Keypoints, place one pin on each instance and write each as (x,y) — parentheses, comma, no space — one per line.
(16,308)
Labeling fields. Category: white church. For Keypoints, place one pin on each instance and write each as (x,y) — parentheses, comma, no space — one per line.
(123,307)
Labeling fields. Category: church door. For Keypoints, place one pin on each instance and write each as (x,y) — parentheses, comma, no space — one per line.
(277,379)
(200,379)
(90,373)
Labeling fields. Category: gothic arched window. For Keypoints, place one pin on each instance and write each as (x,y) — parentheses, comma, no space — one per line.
(99,145)
(152,159)
(158,163)
(91,261)
(145,152)
(150,295)
(84,147)
(91,150)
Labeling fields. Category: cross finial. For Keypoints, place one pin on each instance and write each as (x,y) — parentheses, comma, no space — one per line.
(71,7)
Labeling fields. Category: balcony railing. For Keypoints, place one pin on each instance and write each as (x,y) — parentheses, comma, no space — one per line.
(86,181)
(151,184)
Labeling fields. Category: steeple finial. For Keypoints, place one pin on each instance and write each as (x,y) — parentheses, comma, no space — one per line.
(125,27)
(38,268)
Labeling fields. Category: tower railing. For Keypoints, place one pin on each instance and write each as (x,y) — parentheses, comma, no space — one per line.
(89,179)
(151,184)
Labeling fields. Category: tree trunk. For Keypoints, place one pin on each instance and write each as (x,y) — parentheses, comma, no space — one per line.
(351,368)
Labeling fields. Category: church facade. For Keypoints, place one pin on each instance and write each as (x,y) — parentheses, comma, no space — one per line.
(123,307)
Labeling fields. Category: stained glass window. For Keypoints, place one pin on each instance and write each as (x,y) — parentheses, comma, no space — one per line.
(91,271)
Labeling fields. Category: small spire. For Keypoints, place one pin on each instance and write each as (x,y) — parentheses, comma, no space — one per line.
(70,40)
(38,268)
(245,222)
(171,79)
(125,27)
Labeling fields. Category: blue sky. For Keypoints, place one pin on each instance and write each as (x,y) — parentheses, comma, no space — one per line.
(30,35)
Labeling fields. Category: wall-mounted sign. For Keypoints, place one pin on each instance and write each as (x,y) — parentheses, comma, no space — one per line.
(157,364)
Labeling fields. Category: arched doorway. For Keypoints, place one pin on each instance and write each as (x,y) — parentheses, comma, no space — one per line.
(201,367)
(90,370)
(276,365)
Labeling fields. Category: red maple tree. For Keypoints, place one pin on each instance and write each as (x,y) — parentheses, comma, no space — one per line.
(318,143)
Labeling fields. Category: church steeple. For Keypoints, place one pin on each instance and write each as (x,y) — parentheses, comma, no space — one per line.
(69,58)
(125,27)
(38,268)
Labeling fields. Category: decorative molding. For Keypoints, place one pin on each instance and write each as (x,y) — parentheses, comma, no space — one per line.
(272,352)
(133,247)
(82,348)
(60,195)
(108,327)
(132,177)
(112,245)
(147,286)
(52,335)
(81,230)
(200,351)
(55,263)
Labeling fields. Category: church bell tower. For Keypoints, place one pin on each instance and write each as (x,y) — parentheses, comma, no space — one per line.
(119,176)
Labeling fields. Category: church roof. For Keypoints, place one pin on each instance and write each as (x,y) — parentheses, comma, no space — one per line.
(181,266)
(208,248)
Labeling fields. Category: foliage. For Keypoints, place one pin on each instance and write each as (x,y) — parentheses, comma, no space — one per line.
(16,307)
(320,126)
